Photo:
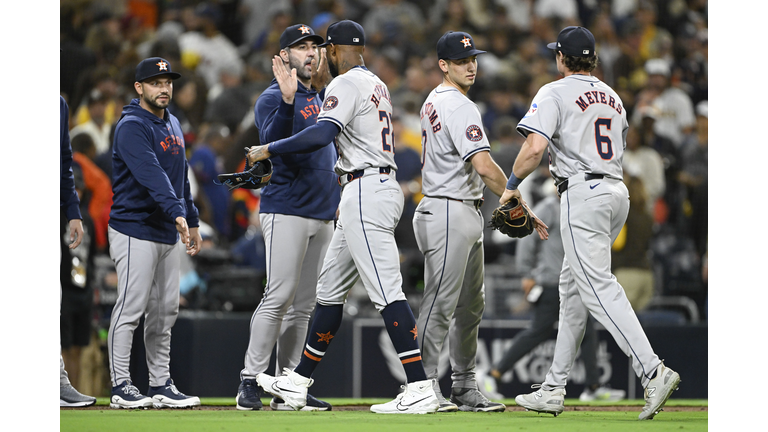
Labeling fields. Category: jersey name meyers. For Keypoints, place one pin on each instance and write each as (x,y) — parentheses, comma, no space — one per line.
(594,97)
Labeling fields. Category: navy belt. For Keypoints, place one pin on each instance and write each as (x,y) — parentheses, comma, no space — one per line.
(563,186)
(354,175)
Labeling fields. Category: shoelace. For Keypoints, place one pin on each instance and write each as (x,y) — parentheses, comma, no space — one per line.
(131,390)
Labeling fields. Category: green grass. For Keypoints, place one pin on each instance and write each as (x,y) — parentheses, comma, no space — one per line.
(229,419)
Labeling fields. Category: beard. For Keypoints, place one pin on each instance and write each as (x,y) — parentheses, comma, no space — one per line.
(155,103)
(301,71)
(333,68)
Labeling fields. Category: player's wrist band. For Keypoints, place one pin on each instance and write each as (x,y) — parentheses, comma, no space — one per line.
(513,182)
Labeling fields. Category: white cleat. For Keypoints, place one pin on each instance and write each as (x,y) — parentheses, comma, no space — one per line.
(418,398)
(290,387)
(658,391)
(543,401)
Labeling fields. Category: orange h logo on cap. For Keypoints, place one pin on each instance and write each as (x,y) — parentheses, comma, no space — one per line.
(467,42)
(304,29)
(163,65)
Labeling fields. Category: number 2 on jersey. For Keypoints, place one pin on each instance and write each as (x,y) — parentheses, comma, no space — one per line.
(387,131)
(603,142)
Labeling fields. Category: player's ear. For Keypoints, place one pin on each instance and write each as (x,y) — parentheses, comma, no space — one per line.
(443,65)
(138,88)
(284,55)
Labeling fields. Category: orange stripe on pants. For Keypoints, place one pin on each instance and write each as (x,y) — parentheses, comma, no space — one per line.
(315,358)
(410,360)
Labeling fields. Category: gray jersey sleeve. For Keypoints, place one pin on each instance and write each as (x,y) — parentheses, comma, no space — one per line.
(341,103)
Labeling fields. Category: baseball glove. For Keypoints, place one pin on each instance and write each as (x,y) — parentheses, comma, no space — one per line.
(254,177)
(512,219)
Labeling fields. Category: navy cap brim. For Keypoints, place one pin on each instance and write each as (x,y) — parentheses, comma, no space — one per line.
(173,75)
(317,38)
(465,54)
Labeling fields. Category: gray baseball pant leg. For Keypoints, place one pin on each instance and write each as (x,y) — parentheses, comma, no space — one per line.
(449,234)
(466,320)
(148,285)
(590,288)
(295,247)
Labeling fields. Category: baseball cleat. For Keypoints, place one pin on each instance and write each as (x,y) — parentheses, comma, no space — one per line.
(472,400)
(602,394)
(417,398)
(126,395)
(168,396)
(290,387)
(249,395)
(658,391)
(543,401)
(70,397)
(313,404)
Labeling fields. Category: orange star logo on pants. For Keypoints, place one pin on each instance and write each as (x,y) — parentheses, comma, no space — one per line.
(415,332)
(325,337)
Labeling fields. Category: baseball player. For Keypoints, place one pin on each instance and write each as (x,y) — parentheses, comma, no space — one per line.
(297,211)
(70,207)
(583,124)
(152,206)
(456,166)
(539,263)
(357,112)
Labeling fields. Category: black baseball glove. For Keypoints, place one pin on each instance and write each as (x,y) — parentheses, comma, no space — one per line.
(512,219)
(253,177)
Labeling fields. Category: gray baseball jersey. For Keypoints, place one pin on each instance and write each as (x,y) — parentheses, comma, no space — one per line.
(452,131)
(448,227)
(358,102)
(586,125)
(363,245)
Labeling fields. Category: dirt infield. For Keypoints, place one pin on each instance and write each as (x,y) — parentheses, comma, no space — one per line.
(509,408)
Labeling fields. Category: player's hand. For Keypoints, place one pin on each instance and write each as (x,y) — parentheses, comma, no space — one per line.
(526,284)
(258,153)
(285,79)
(195,241)
(75,233)
(183,229)
(321,76)
(538,224)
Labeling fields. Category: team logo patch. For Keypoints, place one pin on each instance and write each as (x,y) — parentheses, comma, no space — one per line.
(304,29)
(474,133)
(531,111)
(330,103)
(162,65)
(467,42)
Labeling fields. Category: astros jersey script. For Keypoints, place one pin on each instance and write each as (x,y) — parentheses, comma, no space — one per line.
(452,131)
(358,102)
(585,123)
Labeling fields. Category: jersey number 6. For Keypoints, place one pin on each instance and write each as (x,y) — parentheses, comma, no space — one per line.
(603,142)
(387,130)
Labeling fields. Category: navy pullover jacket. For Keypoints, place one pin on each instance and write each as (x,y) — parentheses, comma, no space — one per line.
(68,200)
(149,176)
(302,184)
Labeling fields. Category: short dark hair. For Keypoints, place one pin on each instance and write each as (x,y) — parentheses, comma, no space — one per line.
(82,143)
(579,64)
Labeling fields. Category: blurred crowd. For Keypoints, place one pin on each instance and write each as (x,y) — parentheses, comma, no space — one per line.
(653,53)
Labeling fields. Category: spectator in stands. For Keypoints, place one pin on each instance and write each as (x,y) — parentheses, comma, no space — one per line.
(694,176)
(206,162)
(96,126)
(96,194)
(644,162)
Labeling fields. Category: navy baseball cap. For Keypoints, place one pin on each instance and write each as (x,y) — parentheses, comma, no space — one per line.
(297,33)
(456,45)
(154,66)
(574,41)
(344,32)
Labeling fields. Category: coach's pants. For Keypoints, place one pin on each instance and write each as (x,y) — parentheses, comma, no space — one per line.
(148,285)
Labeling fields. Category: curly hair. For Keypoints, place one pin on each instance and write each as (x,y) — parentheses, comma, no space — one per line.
(580,64)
